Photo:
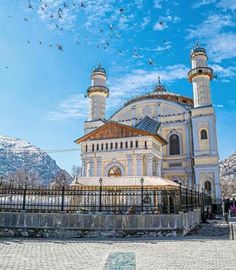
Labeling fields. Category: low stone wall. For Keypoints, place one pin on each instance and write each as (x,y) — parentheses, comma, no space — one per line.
(63,225)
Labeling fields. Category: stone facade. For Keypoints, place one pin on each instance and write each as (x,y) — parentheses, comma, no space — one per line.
(96,225)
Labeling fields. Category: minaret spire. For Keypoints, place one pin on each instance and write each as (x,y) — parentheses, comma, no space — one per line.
(200,76)
(98,92)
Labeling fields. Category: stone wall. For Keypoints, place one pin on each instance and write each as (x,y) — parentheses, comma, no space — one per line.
(96,225)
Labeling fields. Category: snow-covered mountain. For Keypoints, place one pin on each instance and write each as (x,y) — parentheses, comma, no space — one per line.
(228,168)
(20,156)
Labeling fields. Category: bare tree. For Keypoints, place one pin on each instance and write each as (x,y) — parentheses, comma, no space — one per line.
(76,171)
(22,177)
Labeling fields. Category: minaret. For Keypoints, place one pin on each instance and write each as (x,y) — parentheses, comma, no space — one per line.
(200,76)
(97,93)
(204,137)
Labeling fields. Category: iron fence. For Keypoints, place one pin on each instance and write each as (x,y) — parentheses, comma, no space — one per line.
(91,199)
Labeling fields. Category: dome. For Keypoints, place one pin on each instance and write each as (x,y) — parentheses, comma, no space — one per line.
(99,68)
(197,49)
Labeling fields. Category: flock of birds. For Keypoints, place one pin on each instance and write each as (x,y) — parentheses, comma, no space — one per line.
(58,16)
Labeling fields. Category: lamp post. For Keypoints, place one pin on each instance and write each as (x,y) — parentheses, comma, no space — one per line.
(100,194)
(141,182)
(24,193)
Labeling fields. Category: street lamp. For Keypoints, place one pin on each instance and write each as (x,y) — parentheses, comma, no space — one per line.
(100,181)
(141,182)
(100,194)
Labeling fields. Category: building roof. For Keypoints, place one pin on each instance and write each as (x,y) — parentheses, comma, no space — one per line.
(126,181)
(112,130)
(148,124)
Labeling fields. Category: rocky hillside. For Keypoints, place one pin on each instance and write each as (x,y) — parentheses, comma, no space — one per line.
(19,158)
(228,168)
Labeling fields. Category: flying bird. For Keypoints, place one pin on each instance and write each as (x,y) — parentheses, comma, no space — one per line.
(25,19)
(28,41)
(40,42)
(60,47)
(30,6)
(82,4)
(150,62)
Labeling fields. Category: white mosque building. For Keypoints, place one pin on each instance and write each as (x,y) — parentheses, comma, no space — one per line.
(160,135)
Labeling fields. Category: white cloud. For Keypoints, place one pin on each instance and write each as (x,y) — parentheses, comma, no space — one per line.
(145,22)
(224,72)
(158,4)
(227,4)
(201,3)
(218,105)
(137,82)
(158,26)
(140,81)
(74,107)
(219,43)
(164,21)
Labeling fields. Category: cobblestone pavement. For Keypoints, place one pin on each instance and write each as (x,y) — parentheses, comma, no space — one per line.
(192,252)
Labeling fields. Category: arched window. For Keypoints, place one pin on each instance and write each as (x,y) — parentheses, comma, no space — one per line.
(203,134)
(174,145)
(208,186)
(114,172)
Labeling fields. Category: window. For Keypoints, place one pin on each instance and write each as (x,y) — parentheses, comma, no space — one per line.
(97,147)
(131,144)
(145,144)
(136,144)
(174,145)
(86,148)
(126,144)
(114,172)
(92,147)
(106,146)
(203,134)
(208,186)
(116,145)
(111,145)
(121,145)
(102,146)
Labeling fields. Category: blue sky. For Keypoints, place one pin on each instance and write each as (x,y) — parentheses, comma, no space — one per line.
(42,88)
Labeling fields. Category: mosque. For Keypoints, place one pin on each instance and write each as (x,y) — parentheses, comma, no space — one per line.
(160,136)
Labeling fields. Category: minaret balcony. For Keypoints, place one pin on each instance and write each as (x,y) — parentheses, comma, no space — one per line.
(200,71)
(98,89)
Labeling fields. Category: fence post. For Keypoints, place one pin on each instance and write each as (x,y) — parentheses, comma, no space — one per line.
(24,196)
(62,198)
(100,195)
(191,199)
(180,198)
(187,198)
(141,182)
(203,202)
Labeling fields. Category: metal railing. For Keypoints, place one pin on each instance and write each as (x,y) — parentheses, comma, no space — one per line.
(92,199)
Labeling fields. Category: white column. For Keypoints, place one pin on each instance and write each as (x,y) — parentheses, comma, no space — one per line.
(149,164)
(91,167)
(158,167)
(139,164)
(99,166)
(129,165)
(217,186)
(85,167)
